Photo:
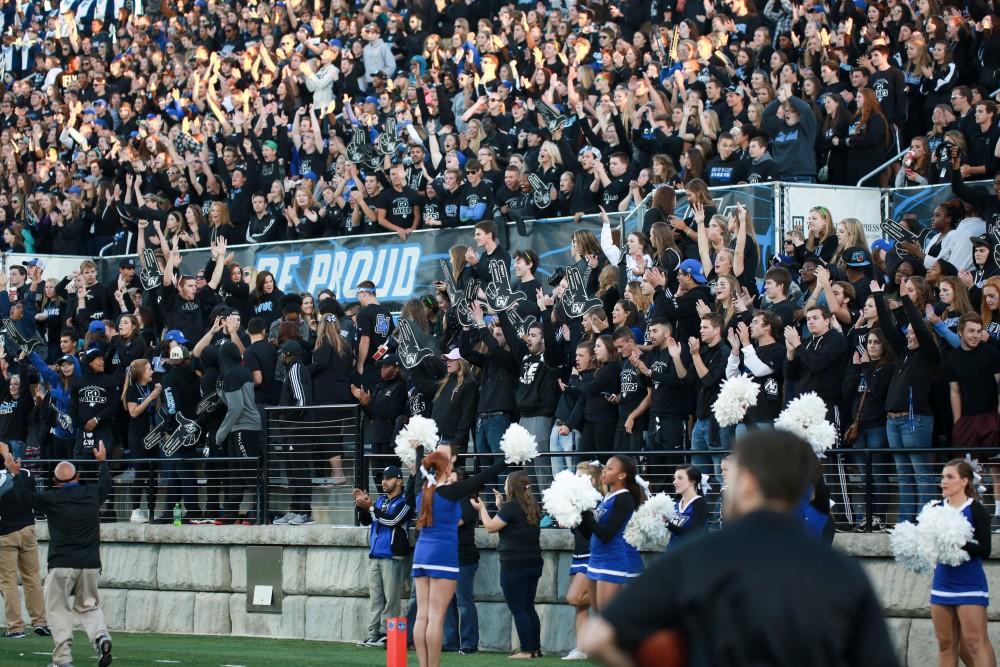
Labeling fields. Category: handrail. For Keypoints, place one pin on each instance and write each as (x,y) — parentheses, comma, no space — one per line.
(882,166)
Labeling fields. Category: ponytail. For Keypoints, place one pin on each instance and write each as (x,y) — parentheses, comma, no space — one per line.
(434,463)
(631,484)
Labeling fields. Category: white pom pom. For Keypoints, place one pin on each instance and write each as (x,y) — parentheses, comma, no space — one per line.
(647,529)
(806,417)
(518,445)
(908,549)
(418,432)
(944,530)
(568,497)
(735,397)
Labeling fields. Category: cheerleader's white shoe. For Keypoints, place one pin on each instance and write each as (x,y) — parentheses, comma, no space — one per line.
(575,654)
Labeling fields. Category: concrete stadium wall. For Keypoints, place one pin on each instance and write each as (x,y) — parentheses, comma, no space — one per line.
(192,580)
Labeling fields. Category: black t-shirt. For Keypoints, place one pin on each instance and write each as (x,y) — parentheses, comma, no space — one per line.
(769,400)
(468,553)
(633,391)
(519,541)
(262,356)
(974,372)
(477,201)
(139,427)
(614,193)
(369,225)
(374,321)
(782,309)
(398,206)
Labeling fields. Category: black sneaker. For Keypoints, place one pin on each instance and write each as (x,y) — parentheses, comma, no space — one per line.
(468,651)
(42,631)
(13,635)
(878,526)
(861,527)
(380,642)
(103,645)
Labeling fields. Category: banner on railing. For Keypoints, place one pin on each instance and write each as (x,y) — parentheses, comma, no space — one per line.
(864,204)
(922,200)
(401,270)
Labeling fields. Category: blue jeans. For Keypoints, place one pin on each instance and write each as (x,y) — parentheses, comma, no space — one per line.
(489,431)
(915,471)
(17,448)
(519,585)
(562,443)
(872,438)
(461,621)
(742,429)
(702,441)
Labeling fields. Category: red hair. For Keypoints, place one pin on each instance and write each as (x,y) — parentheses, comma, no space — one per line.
(434,463)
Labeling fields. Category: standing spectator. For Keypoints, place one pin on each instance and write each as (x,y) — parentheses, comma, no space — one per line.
(709,354)
(239,433)
(388,546)
(461,622)
(517,521)
(867,140)
(973,374)
(794,137)
(755,351)
(19,554)
(296,394)
(73,513)
(374,327)
(455,402)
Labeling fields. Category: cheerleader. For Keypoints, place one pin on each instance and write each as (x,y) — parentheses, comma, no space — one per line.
(960,594)
(692,510)
(611,564)
(435,558)
(578,593)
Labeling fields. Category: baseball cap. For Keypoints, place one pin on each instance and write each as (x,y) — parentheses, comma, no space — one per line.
(884,244)
(335,42)
(392,472)
(96,327)
(389,360)
(74,190)
(982,240)
(291,348)
(126,264)
(856,256)
(176,336)
(40,263)
(93,353)
(452,355)
(178,354)
(371,99)
(66,359)
(273,145)
(692,267)
(735,90)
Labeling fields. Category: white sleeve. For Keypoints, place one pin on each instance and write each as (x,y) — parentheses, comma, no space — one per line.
(611,251)
(754,364)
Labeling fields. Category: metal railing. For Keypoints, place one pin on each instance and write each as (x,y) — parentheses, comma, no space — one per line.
(314,457)
(217,490)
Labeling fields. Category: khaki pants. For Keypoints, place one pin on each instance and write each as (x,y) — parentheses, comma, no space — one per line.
(19,554)
(61,583)
(385,588)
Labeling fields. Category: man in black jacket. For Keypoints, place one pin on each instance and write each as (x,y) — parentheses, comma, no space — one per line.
(817,364)
(19,553)
(681,309)
(296,392)
(73,511)
(537,389)
(709,355)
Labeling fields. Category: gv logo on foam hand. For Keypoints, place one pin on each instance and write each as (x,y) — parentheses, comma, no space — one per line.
(392,267)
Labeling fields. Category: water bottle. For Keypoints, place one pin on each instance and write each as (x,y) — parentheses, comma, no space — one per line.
(177,514)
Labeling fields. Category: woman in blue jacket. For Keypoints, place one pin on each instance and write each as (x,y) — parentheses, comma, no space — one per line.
(63,432)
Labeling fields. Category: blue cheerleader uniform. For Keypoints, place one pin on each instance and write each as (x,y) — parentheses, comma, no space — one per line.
(690,518)
(581,550)
(609,552)
(965,584)
(436,553)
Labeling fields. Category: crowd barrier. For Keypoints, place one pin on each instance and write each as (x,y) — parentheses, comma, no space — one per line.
(314,457)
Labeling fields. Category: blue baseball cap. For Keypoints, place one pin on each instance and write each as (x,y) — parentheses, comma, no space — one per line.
(176,336)
(335,42)
(692,267)
(883,244)
(74,190)
(96,327)
(371,99)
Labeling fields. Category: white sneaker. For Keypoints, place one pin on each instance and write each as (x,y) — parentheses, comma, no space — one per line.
(575,654)
(300,520)
(283,520)
(140,516)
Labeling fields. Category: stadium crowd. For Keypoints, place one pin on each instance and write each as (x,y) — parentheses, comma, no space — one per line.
(209,124)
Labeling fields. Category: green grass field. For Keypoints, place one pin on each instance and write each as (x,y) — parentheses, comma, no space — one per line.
(149,650)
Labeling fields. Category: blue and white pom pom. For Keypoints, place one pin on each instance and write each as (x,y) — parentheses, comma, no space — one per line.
(647,529)
(569,497)
(805,416)
(736,396)
(518,445)
(418,432)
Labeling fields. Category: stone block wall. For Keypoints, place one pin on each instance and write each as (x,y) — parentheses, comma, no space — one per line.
(192,579)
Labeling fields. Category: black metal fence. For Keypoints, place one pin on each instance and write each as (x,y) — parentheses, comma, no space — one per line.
(312,459)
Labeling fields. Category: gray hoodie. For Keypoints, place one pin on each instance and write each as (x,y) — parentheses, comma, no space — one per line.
(237,395)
